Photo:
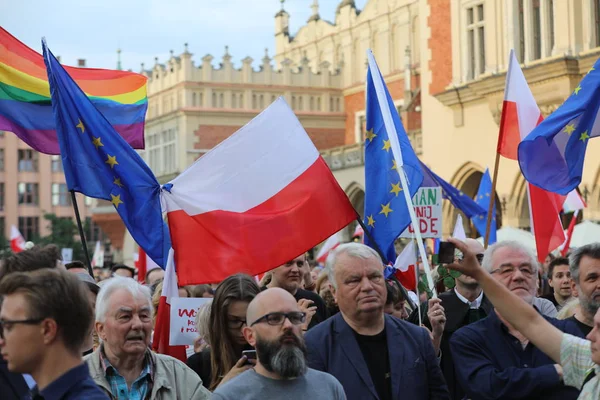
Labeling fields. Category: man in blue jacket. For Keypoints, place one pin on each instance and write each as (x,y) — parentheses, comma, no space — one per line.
(373,355)
(493,360)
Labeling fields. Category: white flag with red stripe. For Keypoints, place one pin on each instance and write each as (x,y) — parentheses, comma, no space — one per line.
(405,266)
(330,244)
(17,242)
(520,115)
(160,342)
(573,202)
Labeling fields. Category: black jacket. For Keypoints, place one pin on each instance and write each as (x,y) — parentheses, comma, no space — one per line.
(456,317)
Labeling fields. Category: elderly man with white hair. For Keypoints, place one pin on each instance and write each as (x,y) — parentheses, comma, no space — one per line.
(123,366)
(492,359)
(372,354)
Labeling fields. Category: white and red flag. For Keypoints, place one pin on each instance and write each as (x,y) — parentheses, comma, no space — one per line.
(160,341)
(144,263)
(98,257)
(330,244)
(405,266)
(17,243)
(573,203)
(254,202)
(520,115)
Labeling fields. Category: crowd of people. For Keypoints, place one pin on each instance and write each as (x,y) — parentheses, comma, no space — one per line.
(510,328)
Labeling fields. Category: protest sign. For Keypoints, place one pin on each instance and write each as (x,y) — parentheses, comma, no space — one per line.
(428,209)
(183,319)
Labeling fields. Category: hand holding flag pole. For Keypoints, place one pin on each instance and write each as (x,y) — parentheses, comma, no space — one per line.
(395,146)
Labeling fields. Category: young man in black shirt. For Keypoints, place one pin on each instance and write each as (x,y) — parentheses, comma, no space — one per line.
(559,278)
(289,277)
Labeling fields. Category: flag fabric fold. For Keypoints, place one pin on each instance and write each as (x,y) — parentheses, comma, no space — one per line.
(567,244)
(483,199)
(162,331)
(25,106)
(458,199)
(405,266)
(100,164)
(573,202)
(17,242)
(552,155)
(329,245)
(544,206)
(386,210)
(257,200)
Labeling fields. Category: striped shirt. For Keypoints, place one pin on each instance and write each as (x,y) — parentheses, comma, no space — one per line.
(577,364)
(141,388)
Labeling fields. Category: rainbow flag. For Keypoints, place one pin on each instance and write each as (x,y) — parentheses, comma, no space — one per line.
(26,109)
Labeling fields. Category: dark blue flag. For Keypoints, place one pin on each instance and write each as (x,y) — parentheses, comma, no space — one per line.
(386,212)
(483,199)
(458,199)
(551,156)
(99,163)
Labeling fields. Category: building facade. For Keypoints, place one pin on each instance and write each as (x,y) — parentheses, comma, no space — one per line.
(445,65)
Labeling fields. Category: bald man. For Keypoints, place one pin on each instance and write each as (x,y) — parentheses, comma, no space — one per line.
(275,330)
(459,307)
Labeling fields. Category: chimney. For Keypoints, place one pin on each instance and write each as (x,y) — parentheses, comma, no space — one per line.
(81,62)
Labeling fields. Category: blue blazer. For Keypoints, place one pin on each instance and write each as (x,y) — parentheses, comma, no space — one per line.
(416,374)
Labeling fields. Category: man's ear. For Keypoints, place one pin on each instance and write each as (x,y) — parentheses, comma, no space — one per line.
(49,330)
(100,330)
(249,336)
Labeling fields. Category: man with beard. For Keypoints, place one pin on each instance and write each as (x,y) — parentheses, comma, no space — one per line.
(372,354)
(494,360)
(123,366)
(289,277)
(463,305)
(274,329)
(585,272)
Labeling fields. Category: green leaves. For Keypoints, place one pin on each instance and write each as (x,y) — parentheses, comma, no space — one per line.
(446,275)
(454,273)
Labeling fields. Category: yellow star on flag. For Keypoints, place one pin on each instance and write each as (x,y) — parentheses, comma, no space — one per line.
(385,209)
(370,135)
(584,136)
(569,129)
(396,189)
(97,142)
(394,166)
(112,161)
(386,145)
(371,221)
(117,182)
(80,126)
(487,194)
(577,89)
(591,69)
(116,200)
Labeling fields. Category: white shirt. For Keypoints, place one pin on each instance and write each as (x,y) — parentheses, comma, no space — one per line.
(475,304)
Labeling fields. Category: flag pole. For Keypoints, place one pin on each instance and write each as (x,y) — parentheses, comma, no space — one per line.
(371,240)
(81,234)
(488,225)
(395,145)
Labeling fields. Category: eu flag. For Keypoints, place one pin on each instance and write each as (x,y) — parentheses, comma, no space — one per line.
(458,199)
(99,163)
(552,155)
(386,212)
(483,199)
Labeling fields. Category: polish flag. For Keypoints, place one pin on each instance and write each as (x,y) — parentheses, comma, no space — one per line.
(359,232)
(330,244)
(144,263)
(520,115)
(254,202)
(17,243)
(98,257)
(405,266)
(567,244)
(162,330)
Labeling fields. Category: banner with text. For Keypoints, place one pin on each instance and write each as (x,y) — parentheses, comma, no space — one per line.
(183,319)
(428,208)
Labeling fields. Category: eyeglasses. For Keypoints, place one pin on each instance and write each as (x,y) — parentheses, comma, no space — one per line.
(6,323)
(478,256)
(236,323)
(278,318)
(508,270)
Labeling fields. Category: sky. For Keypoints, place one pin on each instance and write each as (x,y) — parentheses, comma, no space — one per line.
(145,29)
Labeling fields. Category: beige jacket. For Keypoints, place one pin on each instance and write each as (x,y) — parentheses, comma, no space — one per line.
(173,380)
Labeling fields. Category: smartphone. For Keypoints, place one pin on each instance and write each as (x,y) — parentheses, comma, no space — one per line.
(446,253)
(250,355)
